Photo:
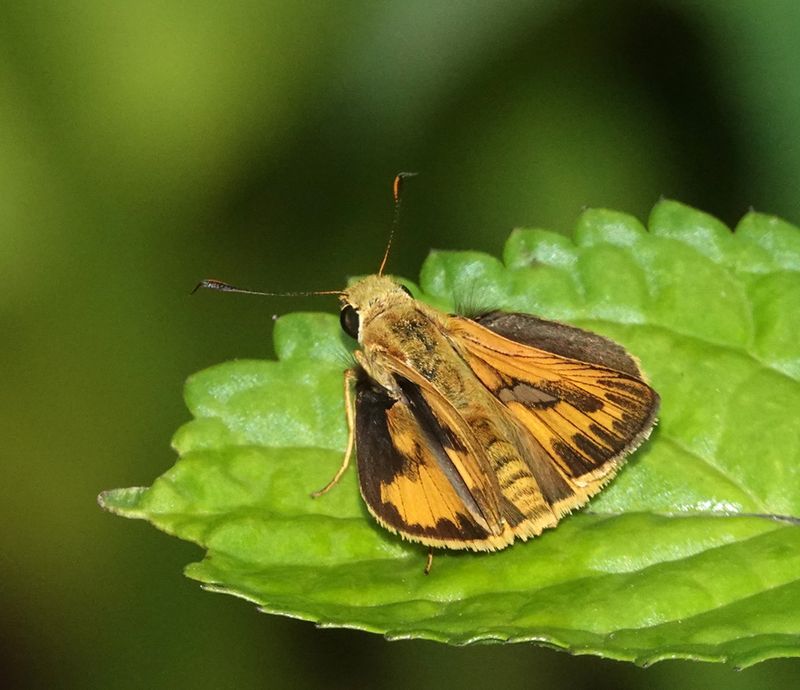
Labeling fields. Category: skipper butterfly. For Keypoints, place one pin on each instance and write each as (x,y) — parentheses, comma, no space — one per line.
(470,433)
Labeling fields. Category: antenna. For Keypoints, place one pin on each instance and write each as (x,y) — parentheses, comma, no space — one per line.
(211,284)
(397,188)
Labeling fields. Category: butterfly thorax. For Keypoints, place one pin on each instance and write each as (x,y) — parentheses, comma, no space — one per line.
(398,333)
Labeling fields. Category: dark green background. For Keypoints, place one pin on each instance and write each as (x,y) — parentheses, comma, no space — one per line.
(144,145)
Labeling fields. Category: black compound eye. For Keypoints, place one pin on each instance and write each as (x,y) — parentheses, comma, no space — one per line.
(349,320)
(406,290)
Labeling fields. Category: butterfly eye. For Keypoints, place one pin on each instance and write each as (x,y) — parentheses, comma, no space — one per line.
(406,290)
(349,320)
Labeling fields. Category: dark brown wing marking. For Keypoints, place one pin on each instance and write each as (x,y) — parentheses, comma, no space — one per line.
(560,339)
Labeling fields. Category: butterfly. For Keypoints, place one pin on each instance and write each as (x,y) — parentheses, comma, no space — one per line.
(471,433)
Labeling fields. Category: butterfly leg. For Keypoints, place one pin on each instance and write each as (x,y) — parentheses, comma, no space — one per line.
(429,561)
(349,377)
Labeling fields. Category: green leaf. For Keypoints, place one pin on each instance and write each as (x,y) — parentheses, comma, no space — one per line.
(693,551)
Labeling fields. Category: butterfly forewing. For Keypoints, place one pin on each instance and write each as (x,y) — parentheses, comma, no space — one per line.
(409,472)
(585,415)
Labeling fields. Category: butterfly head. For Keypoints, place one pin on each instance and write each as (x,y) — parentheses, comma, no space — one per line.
(367,298)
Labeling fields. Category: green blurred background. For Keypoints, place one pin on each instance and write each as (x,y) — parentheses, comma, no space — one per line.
(144,145)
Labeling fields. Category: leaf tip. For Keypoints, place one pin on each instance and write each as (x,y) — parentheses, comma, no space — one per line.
(124,502)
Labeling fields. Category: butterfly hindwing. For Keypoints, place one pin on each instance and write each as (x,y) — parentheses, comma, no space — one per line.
(560,339)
